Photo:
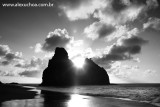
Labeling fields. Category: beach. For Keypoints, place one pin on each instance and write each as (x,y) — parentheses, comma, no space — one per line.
(82,96)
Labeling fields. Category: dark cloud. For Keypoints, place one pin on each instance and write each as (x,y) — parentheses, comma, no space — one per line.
(58,38)
(105,30)
(4,63)
(19,65)
(98,30)
(133,40)
(134,49)
(123,50)
(117,49)
(119,5)
(33,73)
(11,56)
(129,46)
(151,4)
(113,57)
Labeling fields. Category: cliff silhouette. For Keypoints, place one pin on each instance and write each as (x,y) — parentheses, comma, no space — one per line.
(62,72)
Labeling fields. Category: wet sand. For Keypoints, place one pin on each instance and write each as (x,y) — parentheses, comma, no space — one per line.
(12,92)
(18,96)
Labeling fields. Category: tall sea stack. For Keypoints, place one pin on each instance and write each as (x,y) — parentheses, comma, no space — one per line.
(62,72)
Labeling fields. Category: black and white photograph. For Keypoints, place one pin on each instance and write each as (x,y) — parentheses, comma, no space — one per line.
(79,53)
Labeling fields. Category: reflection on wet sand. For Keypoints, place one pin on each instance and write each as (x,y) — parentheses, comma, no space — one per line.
(47,99)
(24,103)
(58,99)
(78,101)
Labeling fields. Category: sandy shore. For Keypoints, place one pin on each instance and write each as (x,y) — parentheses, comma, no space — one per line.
(18,96)
(12,92)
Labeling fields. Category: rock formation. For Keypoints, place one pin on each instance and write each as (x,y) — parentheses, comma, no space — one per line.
(62,72)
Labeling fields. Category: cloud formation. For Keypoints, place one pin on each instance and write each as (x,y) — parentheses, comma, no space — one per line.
(7,56)
(4,63)
(33,73)
(34,62)
(81,9)
(153,23)
(132,41)
(12,56)
(32,68)
(4,49)
(111,11)
(98,30)
(57,38)
(17,65)
(110,16)
(113,15)
(122,51)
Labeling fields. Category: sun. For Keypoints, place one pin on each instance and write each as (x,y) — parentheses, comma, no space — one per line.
(79,62)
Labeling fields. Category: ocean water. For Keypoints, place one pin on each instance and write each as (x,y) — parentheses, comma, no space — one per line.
(122,95)
(139,92)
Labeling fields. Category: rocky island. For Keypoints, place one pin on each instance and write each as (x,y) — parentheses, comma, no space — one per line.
(62,72)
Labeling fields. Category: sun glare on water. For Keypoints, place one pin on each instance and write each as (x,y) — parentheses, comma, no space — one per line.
(78,101)
(79,62)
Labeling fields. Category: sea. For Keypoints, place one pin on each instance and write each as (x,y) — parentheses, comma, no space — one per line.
(115,95)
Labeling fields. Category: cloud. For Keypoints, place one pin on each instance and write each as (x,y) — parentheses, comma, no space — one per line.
(17,65)
(111,57)
(11,56)
(153,23)
(81,9)
(123,16)
(75,47)
(33,63)
(32,68)
(151,4)
(4,49)
(132,41)
(58,38)
(115,12)
(134,68)
(32,73)
(75,43)
(119,5)
(108,32)
(119,32)
(149,71)
(38,48)
(7,56)
(98,30)
(121,51)
(4,63)
(122,70)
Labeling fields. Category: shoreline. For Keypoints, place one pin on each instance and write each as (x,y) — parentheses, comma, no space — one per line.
(29,92)
(103,96)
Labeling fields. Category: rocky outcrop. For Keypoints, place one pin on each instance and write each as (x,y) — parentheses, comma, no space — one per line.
(62,72)
(1,83)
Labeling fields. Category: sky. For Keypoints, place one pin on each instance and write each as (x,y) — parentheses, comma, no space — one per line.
(120,35)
